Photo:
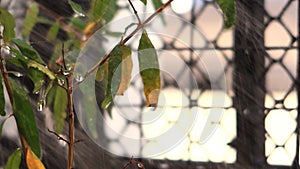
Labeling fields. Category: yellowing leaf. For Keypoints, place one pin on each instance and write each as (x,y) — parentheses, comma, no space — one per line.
(32,161)
(125,72)
(88,29)
(115,73)
(149,69)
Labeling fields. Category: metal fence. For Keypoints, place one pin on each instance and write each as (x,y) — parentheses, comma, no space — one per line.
(259,58)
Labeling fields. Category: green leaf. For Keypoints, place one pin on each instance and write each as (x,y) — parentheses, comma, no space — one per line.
(144,1)
(41,68)
(8,23)
(228,9)
(30,19)
(114,74)
(149,69)
(102,72)
(59,108)
(89,105)
(32,69)
(98,9)
(53,31)
(24,116)
(111,10)
(78,22)
(19,60)
(2,100)
(76,8)
(157,4)
(37,78)
(57,101)
(27,50)
(14,160)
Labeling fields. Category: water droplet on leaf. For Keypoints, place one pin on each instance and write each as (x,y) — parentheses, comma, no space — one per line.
(61,82)
(41,104)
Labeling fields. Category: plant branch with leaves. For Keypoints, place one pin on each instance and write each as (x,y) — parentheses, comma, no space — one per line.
(54,80)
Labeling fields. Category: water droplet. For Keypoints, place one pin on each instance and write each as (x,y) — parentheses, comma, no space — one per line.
(84,38)
(17,74)
(79,14)
(66,73)
(107,105)
(152,107)
(140,165)
(79,78)
(41,104)
(61,82)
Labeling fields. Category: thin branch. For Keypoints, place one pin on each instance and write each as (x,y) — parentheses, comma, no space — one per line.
(58,136)
(71,115)
(135,162)
(124,41)
(59,18)
(63,56)
(142,25)
(135,12)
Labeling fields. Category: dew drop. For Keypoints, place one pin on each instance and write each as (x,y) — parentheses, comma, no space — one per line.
(61,82)
(41,104)
(152,107)
(17,74)
(79,78)
(79,14)
(66,73)
(140,165)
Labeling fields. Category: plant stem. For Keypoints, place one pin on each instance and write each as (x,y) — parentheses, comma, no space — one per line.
(9,90)
(71,142)
(71,121)
(135,12)
(124,41)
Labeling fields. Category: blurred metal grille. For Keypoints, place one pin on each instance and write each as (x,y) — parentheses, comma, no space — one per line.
(260,61)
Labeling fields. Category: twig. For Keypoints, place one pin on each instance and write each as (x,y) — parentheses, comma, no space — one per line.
(63,56)
(135,12)
(59,18)
(69,80)
(58,136)
(137,163)
(124,41)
